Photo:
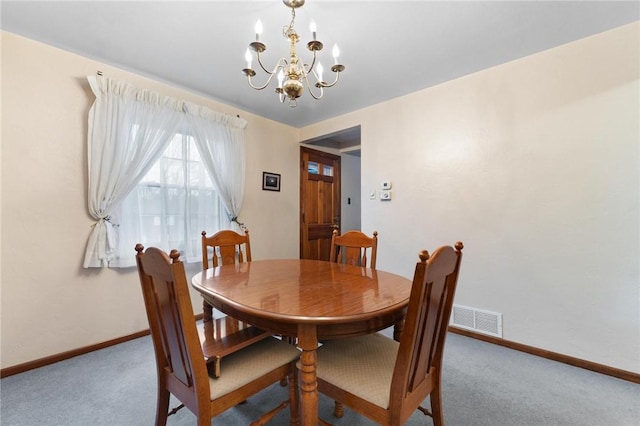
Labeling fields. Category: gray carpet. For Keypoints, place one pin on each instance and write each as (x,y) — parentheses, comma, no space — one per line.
(483,384)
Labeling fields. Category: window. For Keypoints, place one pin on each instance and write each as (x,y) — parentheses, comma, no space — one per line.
(171,205)
(129,130)
(316,168)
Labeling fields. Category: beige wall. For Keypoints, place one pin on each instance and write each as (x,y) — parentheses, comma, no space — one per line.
(50,304)
(533,164)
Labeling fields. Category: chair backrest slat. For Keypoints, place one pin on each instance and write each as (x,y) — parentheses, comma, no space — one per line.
(423,336)
(351,248)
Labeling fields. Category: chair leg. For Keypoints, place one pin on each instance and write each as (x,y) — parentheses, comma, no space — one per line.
(266,417)
(216,367)
(338,409)
(292,341)
(207,311)
(162,409)
(204,419)
(436,406)
(292,402)
(294,399)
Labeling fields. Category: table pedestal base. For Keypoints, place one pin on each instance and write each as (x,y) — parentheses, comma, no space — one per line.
(308,342)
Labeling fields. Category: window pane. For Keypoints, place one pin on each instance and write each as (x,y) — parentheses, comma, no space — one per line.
(208,183)
(196,174)
(312,168)
(151,230)
(175,148)
(194,155)
(175,231)
(150,200)
(174,171)
(153,175)
(173,203)
(327,170)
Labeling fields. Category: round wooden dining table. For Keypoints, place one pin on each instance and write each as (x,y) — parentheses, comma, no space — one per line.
(309,299)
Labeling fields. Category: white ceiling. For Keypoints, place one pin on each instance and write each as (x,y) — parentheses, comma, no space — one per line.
(389,48)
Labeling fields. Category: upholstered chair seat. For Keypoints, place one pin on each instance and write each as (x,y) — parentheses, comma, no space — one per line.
(249,364)
(360,365)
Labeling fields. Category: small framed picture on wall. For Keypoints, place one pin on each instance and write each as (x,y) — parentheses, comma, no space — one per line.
(270,181)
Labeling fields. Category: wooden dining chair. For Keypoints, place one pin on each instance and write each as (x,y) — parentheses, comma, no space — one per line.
(180,362)
(224,335)
(226,248)
(351,248)
(387,380)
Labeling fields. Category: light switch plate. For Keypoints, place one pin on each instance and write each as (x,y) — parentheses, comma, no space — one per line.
(386,184)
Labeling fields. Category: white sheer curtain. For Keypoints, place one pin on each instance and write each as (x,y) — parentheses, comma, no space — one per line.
(128,131)
(220,141)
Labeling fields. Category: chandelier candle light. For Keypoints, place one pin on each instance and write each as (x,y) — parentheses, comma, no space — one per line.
(293,75)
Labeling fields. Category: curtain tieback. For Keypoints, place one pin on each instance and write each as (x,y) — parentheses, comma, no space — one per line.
(241,224)
(104,219)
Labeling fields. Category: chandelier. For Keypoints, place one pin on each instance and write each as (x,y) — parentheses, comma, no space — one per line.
(293,74)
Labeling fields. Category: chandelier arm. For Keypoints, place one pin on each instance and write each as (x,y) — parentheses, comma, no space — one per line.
(314,96)
(282,63)
(271,74)
(315,54)
(334,82)
(308,69)
(264,69)
(310,89)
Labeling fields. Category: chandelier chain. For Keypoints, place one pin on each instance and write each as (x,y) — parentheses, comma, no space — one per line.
(288,29)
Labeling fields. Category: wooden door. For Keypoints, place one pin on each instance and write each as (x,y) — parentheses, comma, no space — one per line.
(319,202)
